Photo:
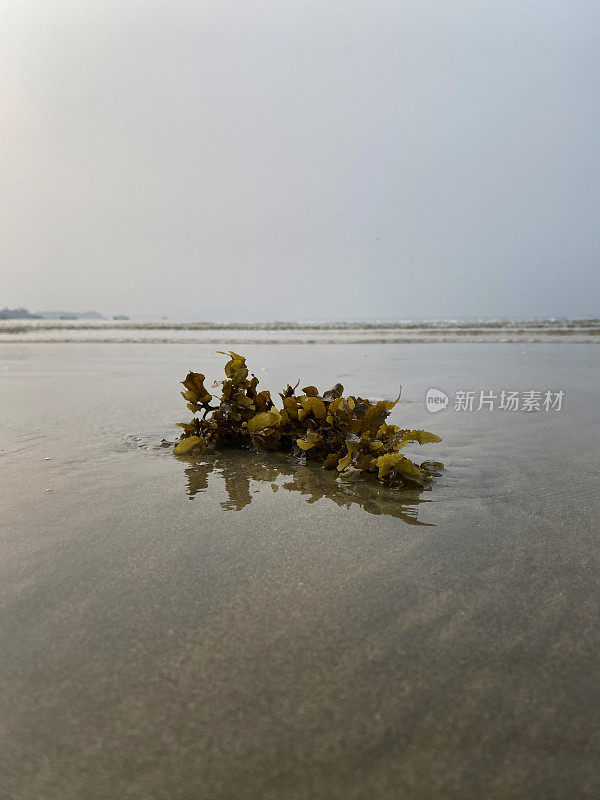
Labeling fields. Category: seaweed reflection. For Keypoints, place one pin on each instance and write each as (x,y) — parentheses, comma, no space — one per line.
(238,469)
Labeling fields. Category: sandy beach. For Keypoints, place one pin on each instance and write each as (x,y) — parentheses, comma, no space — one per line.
(387,196)
(244,627)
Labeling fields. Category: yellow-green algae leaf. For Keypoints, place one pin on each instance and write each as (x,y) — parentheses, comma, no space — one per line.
(422,437)
(266,419)
(391,404)
(187,445)
(400,464)
(315,406)
(236,364)
(345,461)
(336,404)
(243,400)
(291,406)
(312,440)
(196,391)
(374,418)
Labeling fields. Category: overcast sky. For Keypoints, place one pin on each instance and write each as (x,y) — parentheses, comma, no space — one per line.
(232,159)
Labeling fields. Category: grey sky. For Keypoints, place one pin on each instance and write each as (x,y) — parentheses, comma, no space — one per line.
(301,160)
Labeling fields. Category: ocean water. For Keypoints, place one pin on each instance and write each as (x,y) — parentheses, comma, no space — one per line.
(247,626)
(584,331)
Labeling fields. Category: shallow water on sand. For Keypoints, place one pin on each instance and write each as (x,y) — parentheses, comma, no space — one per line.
(245,627)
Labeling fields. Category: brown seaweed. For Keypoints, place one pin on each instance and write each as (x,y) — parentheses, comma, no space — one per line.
(346,434)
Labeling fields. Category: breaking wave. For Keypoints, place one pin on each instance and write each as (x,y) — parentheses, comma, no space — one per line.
(344,332)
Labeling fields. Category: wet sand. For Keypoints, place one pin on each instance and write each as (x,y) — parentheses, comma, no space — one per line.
(242,627)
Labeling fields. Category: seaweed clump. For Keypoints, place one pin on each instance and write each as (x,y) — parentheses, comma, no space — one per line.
(346,434)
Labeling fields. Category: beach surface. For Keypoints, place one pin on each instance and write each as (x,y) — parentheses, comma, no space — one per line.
(245,627)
